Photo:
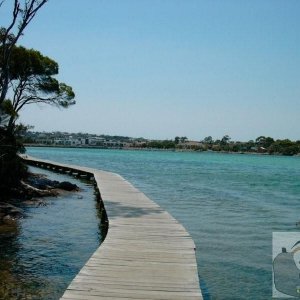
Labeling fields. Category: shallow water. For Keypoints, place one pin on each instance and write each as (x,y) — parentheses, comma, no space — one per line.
(48,247)
(230,204)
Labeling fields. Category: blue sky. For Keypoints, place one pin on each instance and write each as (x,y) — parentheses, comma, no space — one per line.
(161,68)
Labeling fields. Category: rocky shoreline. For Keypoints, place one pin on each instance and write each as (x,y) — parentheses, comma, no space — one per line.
(30,192)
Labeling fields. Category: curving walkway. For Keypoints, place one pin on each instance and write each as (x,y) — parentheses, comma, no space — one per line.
(146,254)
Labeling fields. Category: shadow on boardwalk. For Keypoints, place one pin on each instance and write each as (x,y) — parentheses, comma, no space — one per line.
(119,210)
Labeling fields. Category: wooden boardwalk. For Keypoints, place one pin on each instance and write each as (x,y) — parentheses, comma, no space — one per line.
(146,254)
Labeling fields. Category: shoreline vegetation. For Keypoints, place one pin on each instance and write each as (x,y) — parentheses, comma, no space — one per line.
(262,145)
(26,77)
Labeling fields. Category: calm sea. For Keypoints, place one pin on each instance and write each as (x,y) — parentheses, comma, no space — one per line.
(230,204)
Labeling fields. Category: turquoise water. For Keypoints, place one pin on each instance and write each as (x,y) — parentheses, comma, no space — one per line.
(230,204)
(48,247)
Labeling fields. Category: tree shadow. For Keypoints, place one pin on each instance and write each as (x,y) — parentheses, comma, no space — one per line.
(116,209)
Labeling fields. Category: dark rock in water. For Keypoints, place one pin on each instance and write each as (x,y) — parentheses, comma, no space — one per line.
(16,212)
(9,209)
(42,183)
(9,220)
(9,213)
(35,202)
(67,186)
(31,191)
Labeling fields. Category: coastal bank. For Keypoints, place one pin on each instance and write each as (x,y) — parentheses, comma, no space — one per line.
(147,254)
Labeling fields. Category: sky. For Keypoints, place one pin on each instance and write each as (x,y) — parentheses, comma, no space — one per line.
(164,68)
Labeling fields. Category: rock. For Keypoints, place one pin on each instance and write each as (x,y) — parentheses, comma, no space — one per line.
(42,203)
(67,186)
(35,202)
(8,230)
(9,209)
(9,220)
(9,213)
(16,212)
(42,183)
(29,202)
(32,191)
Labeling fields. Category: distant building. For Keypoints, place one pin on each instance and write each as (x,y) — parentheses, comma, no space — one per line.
(96,141)
(59,141)
(80,140)
(262,150)
(113,144)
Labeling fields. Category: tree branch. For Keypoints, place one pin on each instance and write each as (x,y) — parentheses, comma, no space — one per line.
(29,13)
(8,41)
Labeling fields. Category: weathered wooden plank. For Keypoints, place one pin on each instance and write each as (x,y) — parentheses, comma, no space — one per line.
(154,295)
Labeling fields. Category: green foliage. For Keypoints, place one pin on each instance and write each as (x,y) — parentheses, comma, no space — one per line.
(285,147)
(225,140)
(66,95)
(166,144)
(29,62)
(6,38)
(31,77)
(208,140)
(262,145)
(263,141)
(8,108)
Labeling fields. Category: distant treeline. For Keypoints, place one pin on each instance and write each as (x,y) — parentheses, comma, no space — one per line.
(261,145)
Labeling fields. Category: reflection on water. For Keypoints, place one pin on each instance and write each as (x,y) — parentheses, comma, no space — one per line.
(42,253)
